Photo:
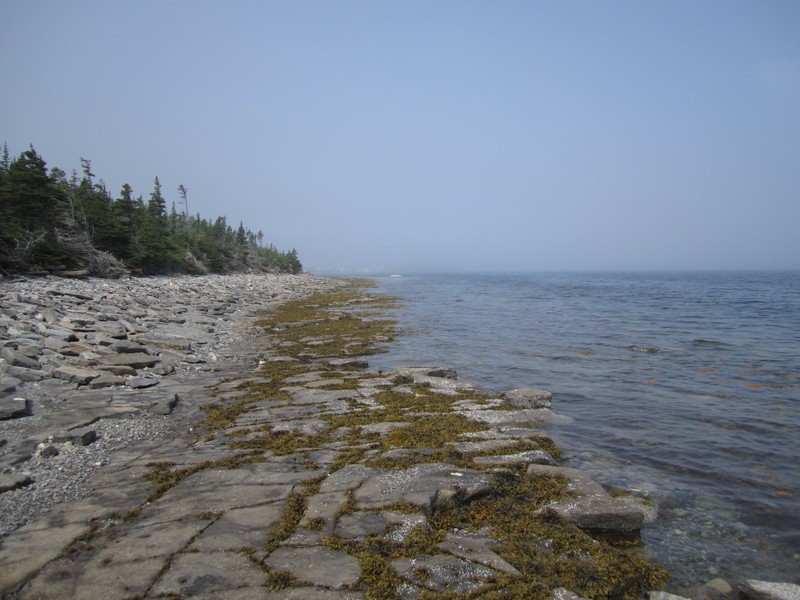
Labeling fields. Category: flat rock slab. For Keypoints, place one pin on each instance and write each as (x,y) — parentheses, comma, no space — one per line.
(136,360)
(530,456)
(753,589)
(442,573)
(528,398)
(239,527)
(195,573)
(476,547)
(600,513)
(316,565)
(579,481)
(388,524)
(14,408)
(425,485)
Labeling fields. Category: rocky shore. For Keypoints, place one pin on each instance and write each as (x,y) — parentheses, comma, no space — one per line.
(224,437)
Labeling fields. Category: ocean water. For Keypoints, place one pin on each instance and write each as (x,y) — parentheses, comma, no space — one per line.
(683,387)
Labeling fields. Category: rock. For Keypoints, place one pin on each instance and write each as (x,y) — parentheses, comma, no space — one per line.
(141,382)
(14,408)
(720,585)
(528,398)
(332,568)
(105,380)
(358,363)
(425,485)
(443,573)
(164,405)
(9,384)
(117,369)
(14,481)
(414,372)
(476,546)
(704,592)
(136,360)
(531,456)
(664,596)
(753,589)
(181,345)
(82,436)
(579,481)
(49,452)
(75,374)
(26,374)
(600,513)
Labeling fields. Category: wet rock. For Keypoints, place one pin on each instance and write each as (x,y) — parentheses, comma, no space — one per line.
(528,398)
(704,592)
(600,513)
(753,589)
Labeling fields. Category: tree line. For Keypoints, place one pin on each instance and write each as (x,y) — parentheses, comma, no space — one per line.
(52,223)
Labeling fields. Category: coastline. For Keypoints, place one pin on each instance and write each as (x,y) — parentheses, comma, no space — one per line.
(214,401)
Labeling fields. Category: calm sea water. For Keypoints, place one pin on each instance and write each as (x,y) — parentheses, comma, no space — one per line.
(683,387)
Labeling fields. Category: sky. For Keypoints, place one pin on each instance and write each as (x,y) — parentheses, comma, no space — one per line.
(408,136)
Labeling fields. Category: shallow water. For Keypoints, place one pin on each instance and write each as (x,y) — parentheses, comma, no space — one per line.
(683,387)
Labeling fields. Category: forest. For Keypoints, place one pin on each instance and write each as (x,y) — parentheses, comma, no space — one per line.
(51,223)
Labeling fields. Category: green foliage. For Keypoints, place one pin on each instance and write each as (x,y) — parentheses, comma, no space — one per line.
(49,223)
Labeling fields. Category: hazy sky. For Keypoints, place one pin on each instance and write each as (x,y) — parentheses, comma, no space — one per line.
(433,135)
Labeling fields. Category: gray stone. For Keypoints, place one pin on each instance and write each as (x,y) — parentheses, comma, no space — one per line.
(164,405)
(704,592)
(14,408)
(579,481)
(528,398)
(24,374)
(105,380)
(332,568)
(527,457)
(137,360)
(476,546)
(181,345)
(14,481)
(754,589)
(49,452)
(119,370)
(194,573)
(141,382)
(600,513)
(9,384)
(425,485)
(75,374)
(391,525)
(357,363)
(82,436)
(658,595)
(442,573)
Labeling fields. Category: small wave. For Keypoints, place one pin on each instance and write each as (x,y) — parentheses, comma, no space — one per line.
(648,350)
(700,342)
